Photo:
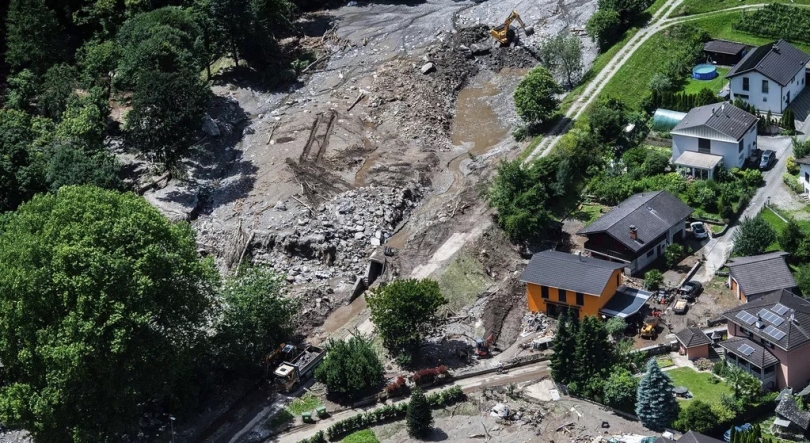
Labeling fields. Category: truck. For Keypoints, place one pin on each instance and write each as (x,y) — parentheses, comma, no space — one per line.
(290,374)
(681,306)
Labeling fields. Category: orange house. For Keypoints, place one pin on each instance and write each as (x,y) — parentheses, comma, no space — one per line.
(558,280)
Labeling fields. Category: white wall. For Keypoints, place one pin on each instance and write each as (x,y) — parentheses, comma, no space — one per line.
(729,151)
(644,260)
(673,231)
(804,174)
(774,100)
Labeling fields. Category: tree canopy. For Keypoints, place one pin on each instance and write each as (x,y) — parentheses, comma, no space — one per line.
(350,367)
(102,305)
(753,236)
(404,311)
(535,96)
(656,406)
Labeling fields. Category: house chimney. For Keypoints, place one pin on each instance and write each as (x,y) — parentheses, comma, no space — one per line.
(579,254)
(633,233)
(775,48)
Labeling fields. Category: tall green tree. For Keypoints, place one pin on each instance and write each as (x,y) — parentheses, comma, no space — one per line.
(23,88)
(656,406)
(564,345)
(257,317)
(167,110)
(536,96)
(419,417)
(791,237)
(593,357)
(698,417)
(753,236)
(83,123)
(620,390)
(604,27)
(69,165)
(608,119)
(58,85)
(403,311)
(562,54)
(22,165)
(103,305)
(520,200)
(97,62)
(34,37)
(350,368)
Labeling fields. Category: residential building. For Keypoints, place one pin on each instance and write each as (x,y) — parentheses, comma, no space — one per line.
(637,231)
(724,52)
(710,135)
(769,77)
(804,173)
(694,343)
(558,280)
(770,338)
(752,277)
(791,421)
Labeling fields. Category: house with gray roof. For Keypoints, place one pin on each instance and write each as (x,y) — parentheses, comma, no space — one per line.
(791,421)
(769,77)
(710,135)
(752,277)
(694,343)
(770,338)
(558,280)
(637,231)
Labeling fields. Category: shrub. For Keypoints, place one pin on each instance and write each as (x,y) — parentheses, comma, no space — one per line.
(704,364)
(397,388)
(793,183)
(673,254)
(792,166)
(653,279)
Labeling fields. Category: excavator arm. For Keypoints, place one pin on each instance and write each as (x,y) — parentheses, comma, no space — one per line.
(501,32)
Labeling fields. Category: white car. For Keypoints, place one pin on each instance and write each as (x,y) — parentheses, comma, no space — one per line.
(699,230)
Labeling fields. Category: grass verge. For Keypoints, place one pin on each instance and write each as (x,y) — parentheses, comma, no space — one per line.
(692,7)
(364,436)
(702,385)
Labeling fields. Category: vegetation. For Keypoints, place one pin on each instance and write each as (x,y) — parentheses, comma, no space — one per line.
(535,96)
(698,417)
(403,311)
(620,390)
(91,278)
(656,406)
(693,85)
(653,279)
(350,368)
(564,345)
(613,18)
(753,236)
(777,21)
(419,417)
(364,436)
(691,7)
(660,97)
(702,385)
(562,55)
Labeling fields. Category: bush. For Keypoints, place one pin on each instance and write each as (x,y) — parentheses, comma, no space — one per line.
(317,438)
(673,254)
(429,375)
(792,166)
(698,417)
(792,182)
(653,279)
(397,388)
(350,368)
(704,364)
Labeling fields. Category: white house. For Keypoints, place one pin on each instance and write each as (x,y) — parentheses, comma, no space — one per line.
(711,134)
(804,173)
(769,77)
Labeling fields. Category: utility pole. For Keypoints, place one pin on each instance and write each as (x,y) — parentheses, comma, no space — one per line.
(171,421)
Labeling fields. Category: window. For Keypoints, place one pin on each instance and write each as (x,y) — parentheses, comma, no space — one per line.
(740,146)
(650,254)
(704,146)
(745,83)
(764,86)
(807,177)
(544,292)
(580,299)
(742,96)
(764,99)
(563,296)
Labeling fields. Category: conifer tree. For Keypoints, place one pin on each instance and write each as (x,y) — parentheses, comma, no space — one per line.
(419,416)
(656,406)
(564,345)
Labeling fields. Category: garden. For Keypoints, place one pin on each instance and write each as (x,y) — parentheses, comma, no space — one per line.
(702,385)
(777,21)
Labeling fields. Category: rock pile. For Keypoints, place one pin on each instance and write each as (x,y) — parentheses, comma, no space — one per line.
(335,239)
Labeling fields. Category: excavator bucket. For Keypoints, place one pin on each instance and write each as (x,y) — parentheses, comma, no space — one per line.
(529,30)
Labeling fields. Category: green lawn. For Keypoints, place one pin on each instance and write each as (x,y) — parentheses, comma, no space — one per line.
(589,212)
(691,7)
(716,84)
(364,436)
(776,223)
(719,27)
(699,384)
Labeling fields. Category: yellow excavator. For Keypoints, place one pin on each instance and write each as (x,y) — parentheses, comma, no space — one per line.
(504,33)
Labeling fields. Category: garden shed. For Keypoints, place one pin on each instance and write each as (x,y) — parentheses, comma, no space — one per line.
(724,52)
(694,343)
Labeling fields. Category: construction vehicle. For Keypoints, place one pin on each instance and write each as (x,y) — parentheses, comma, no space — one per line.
(482,346)
(283,353)
(290,374)
(650,328)
(504,33)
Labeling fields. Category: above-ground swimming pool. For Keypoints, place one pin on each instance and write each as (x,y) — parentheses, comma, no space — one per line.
(705,71)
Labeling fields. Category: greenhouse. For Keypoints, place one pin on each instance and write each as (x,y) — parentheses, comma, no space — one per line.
(664,119)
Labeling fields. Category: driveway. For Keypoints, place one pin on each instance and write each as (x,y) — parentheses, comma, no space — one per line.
(718,249)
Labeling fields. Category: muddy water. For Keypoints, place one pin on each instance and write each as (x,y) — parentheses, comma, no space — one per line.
(475,121)
(344,314)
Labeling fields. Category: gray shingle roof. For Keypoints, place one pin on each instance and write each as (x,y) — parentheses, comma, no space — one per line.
(796,320)
(723,47)
(789,410)
(761,273)
(692,337)
(803,161)
(652,213)
(571,272)
(779,61)
(761,357)
(722,121)
(697,437)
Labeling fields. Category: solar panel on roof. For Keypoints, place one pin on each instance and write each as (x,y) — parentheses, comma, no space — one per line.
(780,309)
(745,349)
(770,317)
(746,317)
(775,333)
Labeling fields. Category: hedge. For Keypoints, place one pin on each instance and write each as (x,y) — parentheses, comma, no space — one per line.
(390,412)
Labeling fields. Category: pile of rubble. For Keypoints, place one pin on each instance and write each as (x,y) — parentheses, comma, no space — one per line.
(534,322)
(335,239)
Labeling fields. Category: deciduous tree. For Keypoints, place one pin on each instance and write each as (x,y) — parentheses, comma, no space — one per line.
(753,236)
(535,96)
(562,54)
(22,166)
(403,311)
(34,37)
(620,390)
(604,27)
(656,406)
(102,304)
(350,367)
(698,417)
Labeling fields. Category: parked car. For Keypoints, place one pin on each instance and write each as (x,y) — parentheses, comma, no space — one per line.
(767,158)
(681,306)
(690,290)
(699,230)
(745,427)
